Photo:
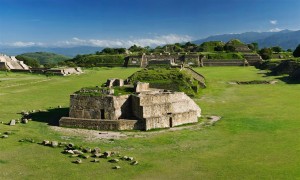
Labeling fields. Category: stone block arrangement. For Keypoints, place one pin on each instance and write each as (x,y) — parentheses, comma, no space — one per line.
(143,109)
(10,63)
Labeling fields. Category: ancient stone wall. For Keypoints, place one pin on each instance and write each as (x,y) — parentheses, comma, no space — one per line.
(225,62)
(100,107)
(98,124)
(163,110)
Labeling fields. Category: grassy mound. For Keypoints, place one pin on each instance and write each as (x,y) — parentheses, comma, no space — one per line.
(171,79)
(44,57)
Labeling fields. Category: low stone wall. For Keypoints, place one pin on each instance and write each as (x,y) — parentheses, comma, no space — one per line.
(171,120)
(99,124)
(212,62)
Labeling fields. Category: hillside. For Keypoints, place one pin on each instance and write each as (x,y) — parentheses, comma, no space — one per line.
(286,39)
(45,57)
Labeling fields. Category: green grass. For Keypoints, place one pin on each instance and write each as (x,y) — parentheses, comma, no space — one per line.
(257,137)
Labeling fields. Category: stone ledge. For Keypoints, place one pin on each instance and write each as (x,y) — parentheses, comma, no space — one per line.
(99,124)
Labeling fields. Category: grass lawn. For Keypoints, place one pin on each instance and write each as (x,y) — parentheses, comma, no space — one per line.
(257,138)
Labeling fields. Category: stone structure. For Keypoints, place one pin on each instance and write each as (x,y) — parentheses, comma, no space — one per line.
(143,110)
(160,59)
(193,60)
(11,63)
(60,72)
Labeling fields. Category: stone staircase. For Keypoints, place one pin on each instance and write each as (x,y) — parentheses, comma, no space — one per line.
(252,58)
(196,76)
(12,63)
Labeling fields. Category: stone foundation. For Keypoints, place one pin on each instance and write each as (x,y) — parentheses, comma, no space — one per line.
(99,124)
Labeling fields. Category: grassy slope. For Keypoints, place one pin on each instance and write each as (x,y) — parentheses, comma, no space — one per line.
(258,136)
(46,57)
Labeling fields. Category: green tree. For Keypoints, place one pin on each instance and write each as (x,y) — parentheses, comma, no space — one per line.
(277,49)
(266,53)
(29,61)
(296,52)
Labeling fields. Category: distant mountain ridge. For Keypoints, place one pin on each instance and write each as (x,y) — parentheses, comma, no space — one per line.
(286,39)
(67,51)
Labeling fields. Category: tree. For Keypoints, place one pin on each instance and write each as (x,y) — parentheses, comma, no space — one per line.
(253,46)
(266,53)
(296,52)
(29,61)
(289,50)
(277,49)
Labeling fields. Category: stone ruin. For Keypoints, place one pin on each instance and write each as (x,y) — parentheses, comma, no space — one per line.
(143,109)
(11,63)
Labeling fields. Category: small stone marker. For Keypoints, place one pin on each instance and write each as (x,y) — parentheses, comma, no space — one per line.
(4,136)
(78,161)
(95,160)
(129,159)
(117,167)
(54,143)
(134,163)
(12,122)
(24,121)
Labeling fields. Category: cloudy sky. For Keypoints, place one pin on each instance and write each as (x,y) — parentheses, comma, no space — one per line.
(117,23)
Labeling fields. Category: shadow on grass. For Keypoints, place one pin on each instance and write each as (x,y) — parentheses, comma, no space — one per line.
(51,116)
(289,80)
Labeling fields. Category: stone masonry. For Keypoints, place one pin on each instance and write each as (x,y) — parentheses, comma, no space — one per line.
(143,110)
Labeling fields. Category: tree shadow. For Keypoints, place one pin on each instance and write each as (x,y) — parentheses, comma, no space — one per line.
(51,116)
(289,80)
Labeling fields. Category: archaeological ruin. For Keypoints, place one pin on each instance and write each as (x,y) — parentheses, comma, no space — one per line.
(139,108)
(11,63)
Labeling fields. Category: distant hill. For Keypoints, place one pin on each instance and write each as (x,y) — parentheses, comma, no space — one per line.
(45,57)
(67,51)
(286,39)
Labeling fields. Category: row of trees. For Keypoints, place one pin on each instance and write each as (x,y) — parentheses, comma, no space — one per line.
(211,46)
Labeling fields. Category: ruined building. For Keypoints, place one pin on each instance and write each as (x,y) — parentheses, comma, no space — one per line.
(143,108)
(11,63)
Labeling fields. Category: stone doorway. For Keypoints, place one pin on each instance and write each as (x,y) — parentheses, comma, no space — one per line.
(102,113)
(170,122)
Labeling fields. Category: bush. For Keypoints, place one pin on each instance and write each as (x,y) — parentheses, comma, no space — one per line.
(98,60)
(296,53)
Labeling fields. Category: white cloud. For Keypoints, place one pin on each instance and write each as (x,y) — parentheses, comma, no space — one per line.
(155,41)
(274,22)
(275,30)
(24,44)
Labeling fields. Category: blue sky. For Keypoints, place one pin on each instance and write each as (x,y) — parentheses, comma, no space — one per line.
(144,22)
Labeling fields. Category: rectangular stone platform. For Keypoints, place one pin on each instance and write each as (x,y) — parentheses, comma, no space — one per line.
(99,124)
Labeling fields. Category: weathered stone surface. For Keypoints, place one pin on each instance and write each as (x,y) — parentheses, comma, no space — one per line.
(129,159)
(54,143)
(141,86)
(46,142)
(117,167)
(150,109)
(107,154)
(4,136)
(95,160)
(78,161)
(134,163)
(96,150)
(87,150)
(24,121)
(77,151)
(12,122)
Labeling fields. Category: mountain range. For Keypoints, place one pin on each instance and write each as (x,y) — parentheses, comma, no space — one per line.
(286,39)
